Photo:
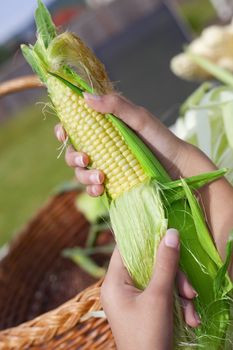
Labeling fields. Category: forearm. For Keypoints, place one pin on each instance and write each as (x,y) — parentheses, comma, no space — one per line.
(216,198)
(181,159)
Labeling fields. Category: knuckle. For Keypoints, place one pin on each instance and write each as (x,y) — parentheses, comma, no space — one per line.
(163,266)
(77,174)
(68,157)
(159,292)
(89,191)
(113,100)
(141,121)
(142,110)
(156,295)
(105,292)
(167,259)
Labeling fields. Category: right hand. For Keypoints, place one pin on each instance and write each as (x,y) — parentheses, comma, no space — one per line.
(168,148)
(94,181)
(179,158)
(149,312)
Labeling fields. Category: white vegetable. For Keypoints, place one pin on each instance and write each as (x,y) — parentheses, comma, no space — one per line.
(209,125)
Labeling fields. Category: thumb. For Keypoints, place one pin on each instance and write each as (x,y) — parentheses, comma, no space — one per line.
(116,279)
(166,265)
(117,273)
(134,116)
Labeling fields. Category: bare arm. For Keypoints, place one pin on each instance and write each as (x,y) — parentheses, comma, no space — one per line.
(179,158)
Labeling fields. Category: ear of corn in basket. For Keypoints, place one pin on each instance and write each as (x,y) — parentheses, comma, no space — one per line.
(143,200)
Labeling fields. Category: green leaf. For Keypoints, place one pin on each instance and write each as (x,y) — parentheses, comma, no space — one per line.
(228,121)
(203,234)
(197,181)
(95,230)
(199,221)
(219,73)
(104,249)
(76,89)
(175,191)
(195,98)
(143,154)
(71,74)
(79,256)
(45,26)
(219,280)
(93,208)
(34,61)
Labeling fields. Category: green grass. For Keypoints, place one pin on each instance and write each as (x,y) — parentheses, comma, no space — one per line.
(29,168)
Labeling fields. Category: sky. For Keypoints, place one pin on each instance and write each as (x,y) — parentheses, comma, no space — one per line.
(15,15)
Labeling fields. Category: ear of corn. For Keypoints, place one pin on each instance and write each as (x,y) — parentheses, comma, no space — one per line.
(143,201)
(96,135)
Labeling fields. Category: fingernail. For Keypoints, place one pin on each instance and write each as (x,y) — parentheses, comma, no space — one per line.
(61,135)
(91,97)
(195,293)
(79,161)
(172,238)
(95,190)
(96,178)
(197,317)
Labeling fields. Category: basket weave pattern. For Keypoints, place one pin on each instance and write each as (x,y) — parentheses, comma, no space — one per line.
(45,301)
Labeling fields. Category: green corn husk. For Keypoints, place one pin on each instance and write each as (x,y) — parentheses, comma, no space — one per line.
(141,216)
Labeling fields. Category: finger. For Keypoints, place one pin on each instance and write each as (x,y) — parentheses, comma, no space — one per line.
(60,133)
(117,272)
(122,108)
(191,317)
(166,265)
(74,159)
(89,177)
(116,280)
(117,275)
(138,118)
(185,288)
(95,190)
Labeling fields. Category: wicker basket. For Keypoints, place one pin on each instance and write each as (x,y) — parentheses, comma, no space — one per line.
(35,278)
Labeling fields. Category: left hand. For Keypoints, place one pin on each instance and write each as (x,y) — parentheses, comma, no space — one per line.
(144,319)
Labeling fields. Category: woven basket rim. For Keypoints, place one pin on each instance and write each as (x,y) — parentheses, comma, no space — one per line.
(68,314)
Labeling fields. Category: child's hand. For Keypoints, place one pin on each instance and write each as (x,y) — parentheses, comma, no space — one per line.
(179,158)
(144,320)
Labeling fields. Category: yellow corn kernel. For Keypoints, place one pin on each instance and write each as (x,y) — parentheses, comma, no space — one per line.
(93,133)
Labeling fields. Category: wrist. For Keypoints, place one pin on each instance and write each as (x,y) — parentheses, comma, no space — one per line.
(191,161)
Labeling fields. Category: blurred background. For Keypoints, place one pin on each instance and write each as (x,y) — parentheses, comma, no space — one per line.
(136,41)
